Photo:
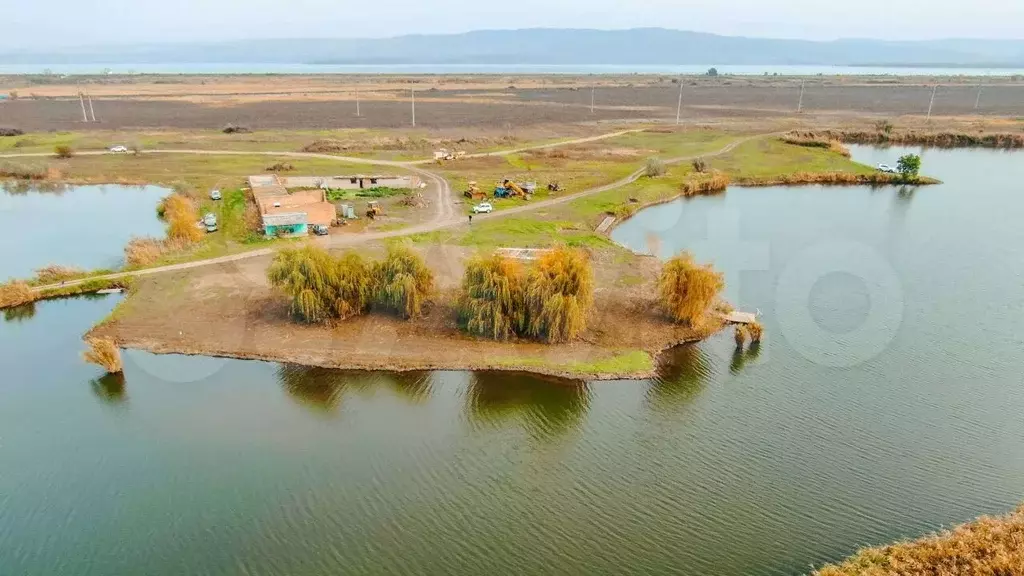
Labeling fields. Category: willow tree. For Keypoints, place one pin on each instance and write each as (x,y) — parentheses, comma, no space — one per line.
(402,282)
(559,295)
(687,290)
(492,302)
(308,275)
(353,288)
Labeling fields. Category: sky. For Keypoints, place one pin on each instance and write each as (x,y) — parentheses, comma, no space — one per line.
(38,24)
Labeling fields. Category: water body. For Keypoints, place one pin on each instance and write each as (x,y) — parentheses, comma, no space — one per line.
(758,463)
(83,226)
(294,68)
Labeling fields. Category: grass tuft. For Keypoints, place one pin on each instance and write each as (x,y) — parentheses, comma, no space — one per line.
(103,352)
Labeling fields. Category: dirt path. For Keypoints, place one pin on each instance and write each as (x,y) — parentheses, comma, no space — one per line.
(446,214)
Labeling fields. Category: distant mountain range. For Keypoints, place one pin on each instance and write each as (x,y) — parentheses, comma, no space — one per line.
(653,46)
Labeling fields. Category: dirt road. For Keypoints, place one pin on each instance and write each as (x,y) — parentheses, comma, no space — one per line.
(446,215)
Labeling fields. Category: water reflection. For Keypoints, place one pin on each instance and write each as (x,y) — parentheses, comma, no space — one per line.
(23,187)
(682,374)
(544,407)
(110,388)
(323,389)
(740,357)
(20,313)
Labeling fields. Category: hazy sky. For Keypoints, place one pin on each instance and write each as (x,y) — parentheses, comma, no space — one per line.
(39,23)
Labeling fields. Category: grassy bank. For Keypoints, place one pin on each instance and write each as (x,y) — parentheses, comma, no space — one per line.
(17,293)
(989,546)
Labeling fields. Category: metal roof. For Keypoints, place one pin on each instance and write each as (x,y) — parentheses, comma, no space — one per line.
(286,219)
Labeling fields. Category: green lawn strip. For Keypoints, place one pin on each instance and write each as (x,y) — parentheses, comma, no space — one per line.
(625,363)
(672,145)
(770,157)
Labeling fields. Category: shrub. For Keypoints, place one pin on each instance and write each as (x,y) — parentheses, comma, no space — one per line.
(16,293)
(280,167)
(686,290)
(740,335)
(105,353)
(234,129)
(307,275)
(21,172)
(10,131)
(63,151)
(325,146)
(713,72)
(135,147)
(492,303)
(909,165)
(54,273)
(180,214)
(655,167)
(756,331)
(559,295)
(699,165)
(884,126)
(402,282)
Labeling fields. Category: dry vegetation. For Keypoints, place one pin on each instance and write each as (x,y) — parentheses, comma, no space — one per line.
(960,139)
(986,547)
(756,330)
(687,290)
(179,211)
(740,335)
(705,183)
(28,172)
(103,352)
(655,167)
(63,151)
(54,273)
(323,288)
(15,293)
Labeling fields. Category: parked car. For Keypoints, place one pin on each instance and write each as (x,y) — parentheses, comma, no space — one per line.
(210,221)
(321,230)
(118,149)
(483,208)
(887,168)
(215,195)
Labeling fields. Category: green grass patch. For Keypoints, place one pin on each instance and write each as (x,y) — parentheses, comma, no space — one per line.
(766,158)
(621,363)
(672,144)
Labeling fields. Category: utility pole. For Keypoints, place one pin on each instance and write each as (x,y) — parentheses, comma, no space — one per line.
(679,106)
(413,107)
(977,100)
(91,111)
(358,114)
(592,90)
(82,102)
(800,103)
(932,101)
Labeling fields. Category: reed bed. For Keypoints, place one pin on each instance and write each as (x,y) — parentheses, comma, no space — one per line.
(103,352)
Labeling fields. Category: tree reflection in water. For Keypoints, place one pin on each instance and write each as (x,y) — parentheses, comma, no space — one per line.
(323,389)
(20,313)
(682,374)
(110,388)
(544,407)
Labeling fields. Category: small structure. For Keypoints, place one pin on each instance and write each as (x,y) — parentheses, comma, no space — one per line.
(285,225)
(357,182)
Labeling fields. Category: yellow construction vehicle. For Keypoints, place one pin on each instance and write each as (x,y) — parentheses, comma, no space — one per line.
(474,192)
(373,210)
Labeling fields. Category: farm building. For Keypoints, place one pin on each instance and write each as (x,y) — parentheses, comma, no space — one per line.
(285,225)
(278,207)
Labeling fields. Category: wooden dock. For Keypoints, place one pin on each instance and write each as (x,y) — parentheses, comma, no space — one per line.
(737,317)
(605,224)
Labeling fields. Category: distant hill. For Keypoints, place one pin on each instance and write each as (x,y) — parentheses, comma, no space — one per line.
(655,46)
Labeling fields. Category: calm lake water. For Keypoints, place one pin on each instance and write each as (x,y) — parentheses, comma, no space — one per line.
(83,226)
(757,463)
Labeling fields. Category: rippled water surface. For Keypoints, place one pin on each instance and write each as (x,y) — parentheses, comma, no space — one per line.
(755,463)
(83,226)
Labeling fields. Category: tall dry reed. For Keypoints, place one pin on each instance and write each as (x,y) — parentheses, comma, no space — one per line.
(104,352)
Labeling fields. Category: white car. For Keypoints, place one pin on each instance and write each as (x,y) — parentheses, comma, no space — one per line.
(215,195)
(886,168)
(119,150)
(483,208)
